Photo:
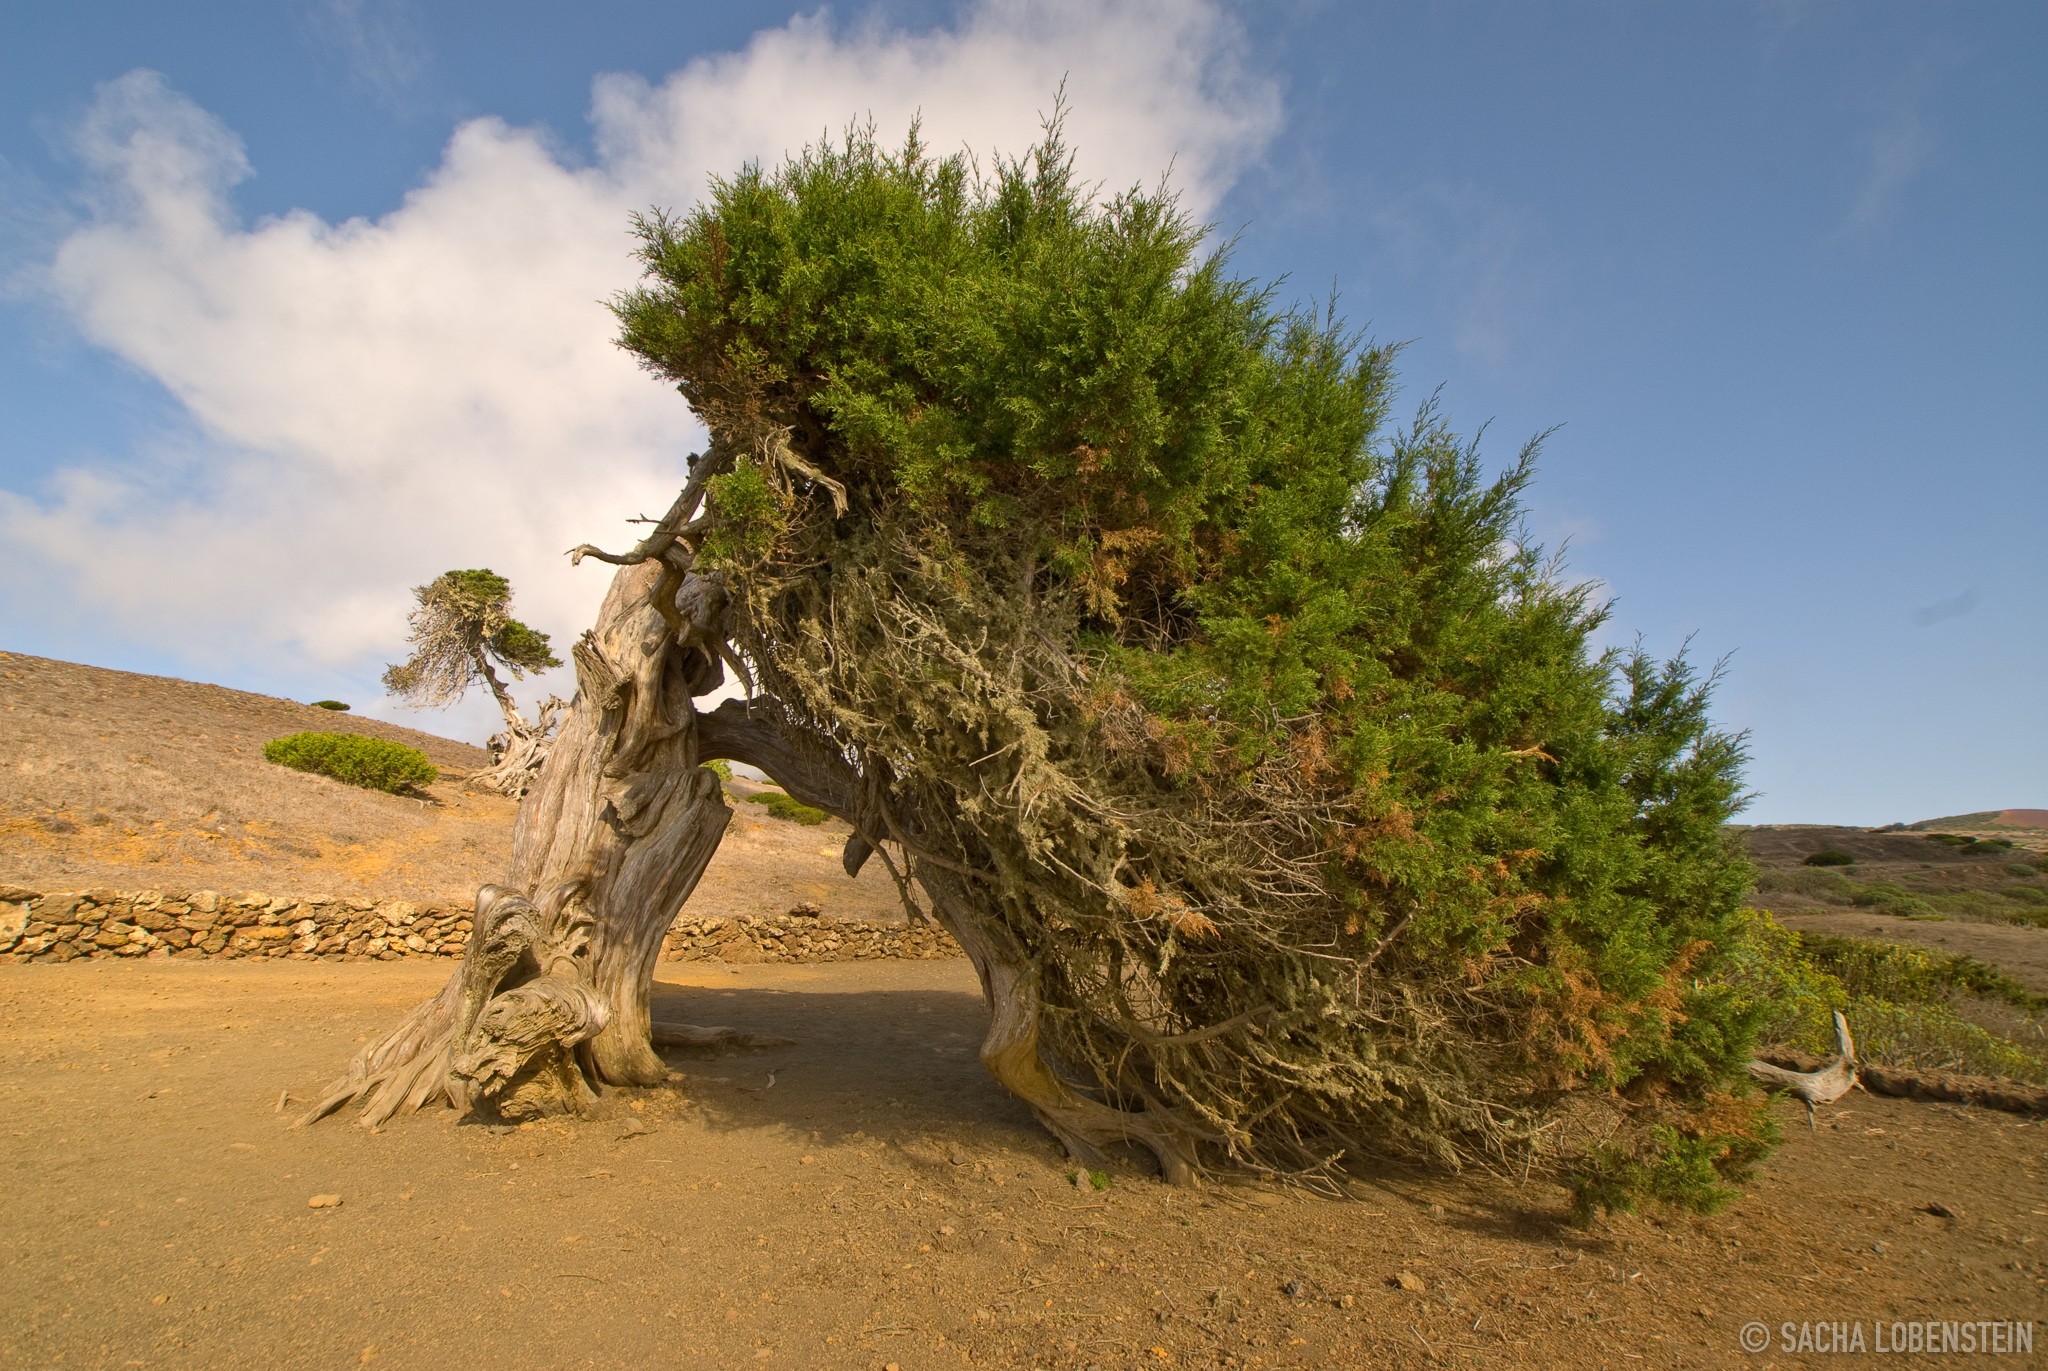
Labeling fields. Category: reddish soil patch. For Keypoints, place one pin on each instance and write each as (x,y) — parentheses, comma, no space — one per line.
(868,1197)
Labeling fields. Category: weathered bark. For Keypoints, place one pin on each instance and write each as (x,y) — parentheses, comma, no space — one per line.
(1825,1086)
(521,751)
(613,838)
(506,1030)
(625,812)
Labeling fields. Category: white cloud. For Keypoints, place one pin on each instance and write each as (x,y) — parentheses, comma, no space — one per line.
(1150,85)
(373,402)
(1895,154)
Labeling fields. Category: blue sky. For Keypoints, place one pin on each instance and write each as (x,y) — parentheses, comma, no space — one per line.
(300,309)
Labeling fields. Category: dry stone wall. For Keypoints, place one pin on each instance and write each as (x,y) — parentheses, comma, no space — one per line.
(805,934)
(61,926)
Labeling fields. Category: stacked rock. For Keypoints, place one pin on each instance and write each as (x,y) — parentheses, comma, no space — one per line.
(804,934)
(61,926)
(64,925)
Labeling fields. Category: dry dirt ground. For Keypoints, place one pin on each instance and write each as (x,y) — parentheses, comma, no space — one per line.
(865,1198)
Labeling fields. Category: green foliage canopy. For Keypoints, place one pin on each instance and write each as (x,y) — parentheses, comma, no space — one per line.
(1257,709)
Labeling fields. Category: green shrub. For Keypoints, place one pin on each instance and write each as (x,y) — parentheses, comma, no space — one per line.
(2021,869)
(1830,859)
(1900,1003)
(1950,839)
(1780,987)
(1881,897)
(1933,1037)
(330,704)
(1987,905)
(782,807)
(1912,975)
(1697,1171)
(2026,894)
(1990,845)
(372,763)
(721,769)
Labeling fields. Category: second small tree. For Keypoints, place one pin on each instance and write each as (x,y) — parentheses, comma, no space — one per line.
(464,624)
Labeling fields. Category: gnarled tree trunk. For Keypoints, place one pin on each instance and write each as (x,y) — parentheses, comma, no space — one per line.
(519,753)
(553,994)
(608,846)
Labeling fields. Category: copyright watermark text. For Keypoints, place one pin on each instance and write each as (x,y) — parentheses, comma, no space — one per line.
(1993,1337)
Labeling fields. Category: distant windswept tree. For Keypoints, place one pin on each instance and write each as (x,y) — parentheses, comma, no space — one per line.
(464,624)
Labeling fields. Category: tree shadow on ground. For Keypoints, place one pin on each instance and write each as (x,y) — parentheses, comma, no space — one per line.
(883,1063)
(902,1066)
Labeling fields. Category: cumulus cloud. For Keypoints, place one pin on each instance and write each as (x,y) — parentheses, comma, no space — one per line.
(374,402)
(1151,85)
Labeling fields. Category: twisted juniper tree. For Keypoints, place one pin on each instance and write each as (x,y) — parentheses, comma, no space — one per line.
(1259,762)
(464,624)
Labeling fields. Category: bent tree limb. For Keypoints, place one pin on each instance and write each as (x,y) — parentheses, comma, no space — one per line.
(1013,1050)
(607,847)
(553,997)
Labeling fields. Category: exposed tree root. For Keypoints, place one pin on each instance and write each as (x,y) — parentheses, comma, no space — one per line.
(506,1031)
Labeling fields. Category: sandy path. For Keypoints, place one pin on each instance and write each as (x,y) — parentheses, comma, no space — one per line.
(882,1202)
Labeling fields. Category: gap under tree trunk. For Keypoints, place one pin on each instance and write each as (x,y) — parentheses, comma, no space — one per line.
(553,993)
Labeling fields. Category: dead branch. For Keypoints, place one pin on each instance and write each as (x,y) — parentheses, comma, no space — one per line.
(1825,1086)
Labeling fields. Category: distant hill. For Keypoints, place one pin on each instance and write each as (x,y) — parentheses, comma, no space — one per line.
(112,779)
(1990,818)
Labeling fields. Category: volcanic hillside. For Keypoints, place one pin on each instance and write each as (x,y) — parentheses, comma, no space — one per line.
(113,779)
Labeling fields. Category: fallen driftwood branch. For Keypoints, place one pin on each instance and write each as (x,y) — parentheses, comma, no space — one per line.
(1942,1087)
(1824,1086)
